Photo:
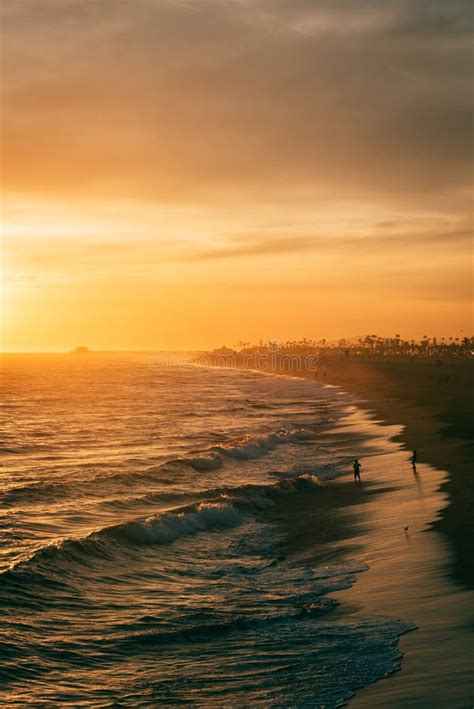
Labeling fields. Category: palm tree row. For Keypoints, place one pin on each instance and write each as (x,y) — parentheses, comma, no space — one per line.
(370,345)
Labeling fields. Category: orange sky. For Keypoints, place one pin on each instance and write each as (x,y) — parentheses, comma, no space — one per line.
(183,174)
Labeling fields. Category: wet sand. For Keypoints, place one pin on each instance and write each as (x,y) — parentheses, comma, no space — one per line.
(408,571)
(435,407)
(408,578)
(423,574)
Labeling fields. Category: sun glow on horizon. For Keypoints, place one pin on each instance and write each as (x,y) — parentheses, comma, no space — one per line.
(171,193)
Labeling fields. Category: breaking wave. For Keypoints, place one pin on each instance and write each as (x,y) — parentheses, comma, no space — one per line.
(227,507)
(246,448)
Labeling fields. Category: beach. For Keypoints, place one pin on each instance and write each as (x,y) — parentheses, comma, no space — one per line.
(213,549)
(434,406)
(236,354)
(147,522)
(409,577)
(426,573)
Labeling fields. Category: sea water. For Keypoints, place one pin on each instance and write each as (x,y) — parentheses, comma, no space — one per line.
(147,525)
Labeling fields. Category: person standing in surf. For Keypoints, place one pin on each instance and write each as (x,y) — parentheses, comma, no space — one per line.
(357,466)
(413,460)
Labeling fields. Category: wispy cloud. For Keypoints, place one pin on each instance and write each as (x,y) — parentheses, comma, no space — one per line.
(256,246)
(155,151)
(384,237)
(180,101)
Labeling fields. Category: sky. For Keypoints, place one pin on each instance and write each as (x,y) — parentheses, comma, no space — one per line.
(189,173)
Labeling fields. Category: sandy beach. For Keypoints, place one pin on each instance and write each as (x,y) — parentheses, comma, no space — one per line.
(434,407)
(239,553)
(423,574)
(237,243)
(408,578)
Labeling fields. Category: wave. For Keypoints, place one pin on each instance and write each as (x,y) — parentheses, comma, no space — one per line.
(254,446)
(298,479)
(228,507)
(166,527)
(32,492)
(204,463)
(246,448)
(145,635)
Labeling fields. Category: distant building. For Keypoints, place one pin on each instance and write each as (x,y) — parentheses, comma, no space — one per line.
(223,357)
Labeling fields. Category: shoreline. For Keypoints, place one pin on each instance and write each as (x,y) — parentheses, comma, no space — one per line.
(424,576)
(437,417)
(403,576)
(407,579)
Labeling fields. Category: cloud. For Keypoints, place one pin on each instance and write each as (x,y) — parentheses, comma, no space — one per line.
(257,247)
(382,239)
(179,101)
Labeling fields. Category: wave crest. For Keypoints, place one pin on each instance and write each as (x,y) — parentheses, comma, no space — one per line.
(226,508)
(167,527)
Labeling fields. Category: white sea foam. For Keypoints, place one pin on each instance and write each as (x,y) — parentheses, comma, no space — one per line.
(254,446)
(167,527)
(224,508)
(230,510)
(216,578)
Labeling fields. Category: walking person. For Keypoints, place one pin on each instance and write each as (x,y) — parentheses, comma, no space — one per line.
(413,459)
(357,466)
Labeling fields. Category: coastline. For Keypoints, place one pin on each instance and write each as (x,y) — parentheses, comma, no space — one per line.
(394,581)
(409,574)
(433,406)
(424,576)
(407,579)
(436,411)
(429,572)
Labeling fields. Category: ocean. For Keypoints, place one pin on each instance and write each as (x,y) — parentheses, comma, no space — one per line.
(167,538)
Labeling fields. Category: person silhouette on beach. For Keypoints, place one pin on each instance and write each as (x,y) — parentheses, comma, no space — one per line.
(413,459)
(357,466)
